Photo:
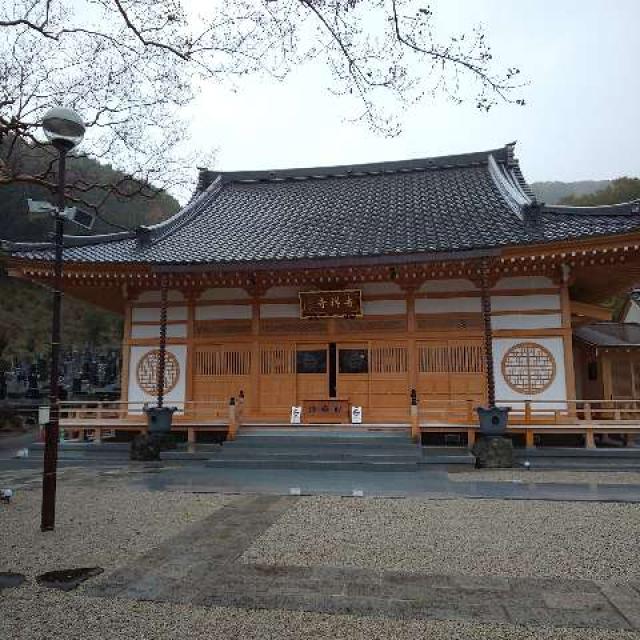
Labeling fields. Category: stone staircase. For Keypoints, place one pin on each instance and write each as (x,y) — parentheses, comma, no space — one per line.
(321,448)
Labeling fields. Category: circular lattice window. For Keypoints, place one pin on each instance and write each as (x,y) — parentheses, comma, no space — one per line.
(528,368)
(147,372)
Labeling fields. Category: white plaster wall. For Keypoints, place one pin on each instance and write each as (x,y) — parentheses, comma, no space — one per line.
(376,288)
(524,303)
(224,312)
(279,311)
(525,282)
(229,293)
(524,321)
(384,307)
(556,392)
(461,284)
(153,331)
(148,314)
(281,292)
(154,296)
(176,396)
(633,314)
(448,305)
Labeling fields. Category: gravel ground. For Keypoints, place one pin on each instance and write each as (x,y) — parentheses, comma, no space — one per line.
(102,527)
(563,477)
(467,537)
(30,613)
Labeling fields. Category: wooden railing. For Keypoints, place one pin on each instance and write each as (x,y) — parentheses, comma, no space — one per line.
(534,411)
(103,416)
(534,417)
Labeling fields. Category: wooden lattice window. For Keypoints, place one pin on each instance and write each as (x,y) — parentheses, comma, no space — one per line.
(389,359)
(277,360)
(451,358)
(528,368)
(223,361)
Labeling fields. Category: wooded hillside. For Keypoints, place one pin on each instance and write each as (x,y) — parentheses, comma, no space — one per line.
(25,309)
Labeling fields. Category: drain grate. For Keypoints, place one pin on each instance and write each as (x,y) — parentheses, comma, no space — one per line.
(67,579)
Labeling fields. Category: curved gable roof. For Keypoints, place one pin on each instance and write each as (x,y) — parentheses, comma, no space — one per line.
(431,205)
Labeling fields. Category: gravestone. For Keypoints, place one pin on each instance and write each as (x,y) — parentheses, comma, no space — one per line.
(33,390)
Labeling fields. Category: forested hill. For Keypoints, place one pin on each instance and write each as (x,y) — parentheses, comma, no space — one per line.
(554,192)
(130,212)
(25,309)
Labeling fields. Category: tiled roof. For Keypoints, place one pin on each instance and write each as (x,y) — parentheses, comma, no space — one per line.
(610,334)
(474,201)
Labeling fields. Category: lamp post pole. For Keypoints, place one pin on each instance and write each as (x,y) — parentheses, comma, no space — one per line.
(64,129)
(48,516)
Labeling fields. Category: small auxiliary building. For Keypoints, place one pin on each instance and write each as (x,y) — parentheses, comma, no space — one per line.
(356,285)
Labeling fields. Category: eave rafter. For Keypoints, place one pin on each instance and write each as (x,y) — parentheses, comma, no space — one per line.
(544,260)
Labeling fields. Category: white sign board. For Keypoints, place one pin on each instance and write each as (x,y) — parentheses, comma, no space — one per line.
(296,415)
(356,415)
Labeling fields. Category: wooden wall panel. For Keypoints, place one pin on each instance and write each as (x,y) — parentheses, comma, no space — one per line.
(389,392)
(277,379)
(354,387)
(451,370)
(221,372)
(311,386)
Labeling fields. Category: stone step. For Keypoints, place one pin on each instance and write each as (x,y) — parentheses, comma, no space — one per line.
(321,439)
(320,444)
(447,456)
(313,465)
(311,454)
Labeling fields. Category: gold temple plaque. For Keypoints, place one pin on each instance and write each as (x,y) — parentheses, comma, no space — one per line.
(346,303)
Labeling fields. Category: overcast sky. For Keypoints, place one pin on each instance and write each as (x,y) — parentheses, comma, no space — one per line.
(581,121)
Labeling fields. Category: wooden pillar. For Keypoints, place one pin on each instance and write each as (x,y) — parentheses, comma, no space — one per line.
(485,289)
(411,343)
(529,439)
(254,393)
(233,424)
(567,341)
(164,293)
(126,357)
(589,440)
(416,435)
(190,359)
(471,438)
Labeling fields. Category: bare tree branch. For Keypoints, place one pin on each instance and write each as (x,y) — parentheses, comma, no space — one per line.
(131,66)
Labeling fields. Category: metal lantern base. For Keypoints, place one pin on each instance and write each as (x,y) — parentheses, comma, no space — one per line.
(493,420)
(159,419)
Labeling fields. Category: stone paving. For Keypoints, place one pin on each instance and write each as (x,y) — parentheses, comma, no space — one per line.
(201,566)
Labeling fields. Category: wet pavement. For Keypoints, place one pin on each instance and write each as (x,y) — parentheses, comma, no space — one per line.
(428,482)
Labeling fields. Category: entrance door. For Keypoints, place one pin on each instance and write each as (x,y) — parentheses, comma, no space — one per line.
(625,378)
(352,374)
(312,367)
(625,385)
(389,391)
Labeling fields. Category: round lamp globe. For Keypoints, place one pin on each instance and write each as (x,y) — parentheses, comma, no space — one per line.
(63,127)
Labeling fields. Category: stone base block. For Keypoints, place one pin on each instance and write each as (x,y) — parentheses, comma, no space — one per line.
(493,453)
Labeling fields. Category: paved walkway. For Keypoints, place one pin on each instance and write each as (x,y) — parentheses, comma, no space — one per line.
(431,482)
(201,566)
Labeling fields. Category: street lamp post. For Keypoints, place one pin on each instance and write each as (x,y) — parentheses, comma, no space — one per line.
(64,129)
